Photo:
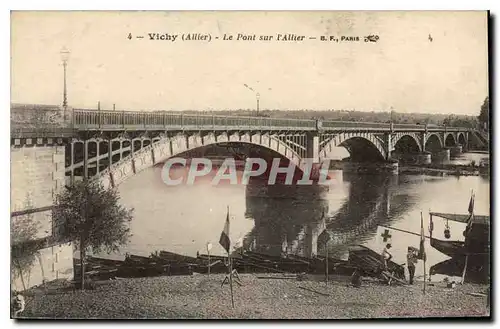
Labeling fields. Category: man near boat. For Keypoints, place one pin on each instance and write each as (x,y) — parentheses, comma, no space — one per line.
(411,261)
(386,255)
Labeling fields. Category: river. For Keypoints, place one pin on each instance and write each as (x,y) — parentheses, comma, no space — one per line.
(184,219)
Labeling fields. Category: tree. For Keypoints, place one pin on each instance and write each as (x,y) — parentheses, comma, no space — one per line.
(91,216)
(23,243)
(484,114)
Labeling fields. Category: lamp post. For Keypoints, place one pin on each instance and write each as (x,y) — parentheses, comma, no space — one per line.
(65,57)
(257,95)
(258,98)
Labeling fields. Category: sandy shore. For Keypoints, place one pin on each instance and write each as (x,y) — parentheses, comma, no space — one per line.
(201,297)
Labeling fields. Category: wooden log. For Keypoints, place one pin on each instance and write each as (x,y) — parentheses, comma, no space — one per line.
(278,277)
(317,292)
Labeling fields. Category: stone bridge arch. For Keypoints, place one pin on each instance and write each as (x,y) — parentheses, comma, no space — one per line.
(462,138)
(168,147)
(355,143)
(404,140)
(450,139)
(434,143)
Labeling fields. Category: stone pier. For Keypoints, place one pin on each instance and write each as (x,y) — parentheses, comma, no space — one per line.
(421,158)
(441,156)
(455,150)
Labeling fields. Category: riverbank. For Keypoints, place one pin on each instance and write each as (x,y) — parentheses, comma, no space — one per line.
(200,296)
(428,170)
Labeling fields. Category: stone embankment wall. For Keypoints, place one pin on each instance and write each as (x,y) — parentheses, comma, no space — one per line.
(37,175)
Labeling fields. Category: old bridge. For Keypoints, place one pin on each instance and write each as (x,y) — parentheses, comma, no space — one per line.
(114,145)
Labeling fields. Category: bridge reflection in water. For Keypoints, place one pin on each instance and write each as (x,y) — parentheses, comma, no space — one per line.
(288,219)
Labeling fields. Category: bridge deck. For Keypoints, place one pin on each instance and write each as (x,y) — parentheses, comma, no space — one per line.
(51,124)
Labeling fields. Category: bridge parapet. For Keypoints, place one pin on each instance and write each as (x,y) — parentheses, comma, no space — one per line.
(109,120)
(44,120)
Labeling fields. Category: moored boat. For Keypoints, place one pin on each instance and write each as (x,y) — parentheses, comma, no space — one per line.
(370,262)
(177,258)
(449,248)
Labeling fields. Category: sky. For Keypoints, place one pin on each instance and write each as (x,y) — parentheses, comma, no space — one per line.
(404,70)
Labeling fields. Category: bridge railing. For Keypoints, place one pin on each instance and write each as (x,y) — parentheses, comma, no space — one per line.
(387,126)
(92,119)
(83,119)
(356,124)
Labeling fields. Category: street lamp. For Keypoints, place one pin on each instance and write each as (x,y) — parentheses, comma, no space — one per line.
(65,57)
(258,97)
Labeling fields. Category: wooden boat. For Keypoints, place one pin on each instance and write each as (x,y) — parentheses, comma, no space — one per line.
(137,258)
(478,270)
(247,265)
(102,274)
(451,267)
(159,270)
(335,266)
(241,264)
(138,266)
(216,266)
(176,258)
(96,275)
(300,258)
(151,260)
(93,271)
(449,248)
(274,258)
(104,261)
(477,235)
(277,262)
(200,263)
(223,259)
(370,262)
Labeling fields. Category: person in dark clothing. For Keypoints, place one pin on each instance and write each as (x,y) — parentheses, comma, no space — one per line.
(411,261)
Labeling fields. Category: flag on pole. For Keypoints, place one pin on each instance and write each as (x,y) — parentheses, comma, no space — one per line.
(421,251)
(324,236)
(471,209)
(471,204)
(224,237)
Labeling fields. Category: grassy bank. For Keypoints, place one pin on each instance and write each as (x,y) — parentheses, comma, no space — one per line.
(198,296)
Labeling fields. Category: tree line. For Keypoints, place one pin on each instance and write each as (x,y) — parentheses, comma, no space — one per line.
(467,121)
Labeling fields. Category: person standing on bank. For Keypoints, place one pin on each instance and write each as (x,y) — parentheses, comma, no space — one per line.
(386,256)
(411,261)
